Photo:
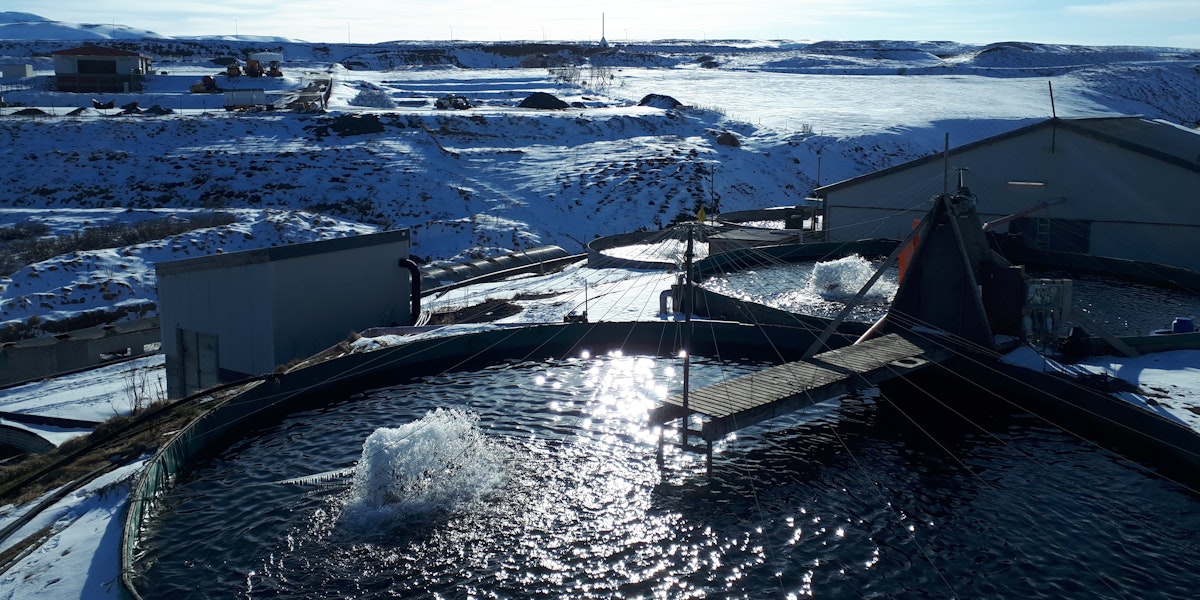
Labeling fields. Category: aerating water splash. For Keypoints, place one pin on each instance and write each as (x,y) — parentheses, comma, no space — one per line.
(841,278)
(440,463)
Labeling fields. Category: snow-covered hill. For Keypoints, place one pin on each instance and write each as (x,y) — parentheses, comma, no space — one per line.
(26,26)
(498,177)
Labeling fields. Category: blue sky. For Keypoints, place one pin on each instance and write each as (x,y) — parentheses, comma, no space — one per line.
(1097,22)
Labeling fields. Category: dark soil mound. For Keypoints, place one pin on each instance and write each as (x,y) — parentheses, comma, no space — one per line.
(660,101)
(544,101)
(356,124)
(30,112)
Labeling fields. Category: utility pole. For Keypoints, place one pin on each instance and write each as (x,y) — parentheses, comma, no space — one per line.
(687,332)
(946,165)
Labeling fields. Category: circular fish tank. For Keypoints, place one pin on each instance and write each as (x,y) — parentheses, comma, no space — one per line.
(822,288)
(542,479)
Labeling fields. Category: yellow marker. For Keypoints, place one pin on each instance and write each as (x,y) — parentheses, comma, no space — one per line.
(700,217)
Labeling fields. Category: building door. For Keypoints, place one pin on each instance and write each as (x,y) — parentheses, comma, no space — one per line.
(199,359)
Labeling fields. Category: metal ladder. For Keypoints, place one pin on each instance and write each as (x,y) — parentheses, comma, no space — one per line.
(1043,234)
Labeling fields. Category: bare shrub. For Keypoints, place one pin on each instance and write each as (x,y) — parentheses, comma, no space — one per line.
(600,77)
(144,390)
(20,252)
(569,74)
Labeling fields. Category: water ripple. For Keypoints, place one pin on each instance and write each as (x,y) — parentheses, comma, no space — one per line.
(850,499)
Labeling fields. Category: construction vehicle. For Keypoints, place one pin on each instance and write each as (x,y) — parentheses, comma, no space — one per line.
(453,101)
(253,69)
(266,63)
(206,85)
(233,70)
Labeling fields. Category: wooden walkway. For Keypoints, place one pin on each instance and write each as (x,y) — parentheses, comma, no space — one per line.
(782,389)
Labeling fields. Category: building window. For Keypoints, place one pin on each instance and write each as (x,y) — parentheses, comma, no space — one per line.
(97,67)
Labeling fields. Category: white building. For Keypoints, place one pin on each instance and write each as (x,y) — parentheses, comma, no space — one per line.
(1122,187)
(16,71)
(225,317)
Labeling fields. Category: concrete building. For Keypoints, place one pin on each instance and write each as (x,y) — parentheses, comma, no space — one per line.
(1122,187)
(97,69)
(228,316)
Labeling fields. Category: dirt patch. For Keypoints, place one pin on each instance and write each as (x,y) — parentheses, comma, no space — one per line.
(542,296)
(112,442)
(346,125)
(356,125)
(486,312)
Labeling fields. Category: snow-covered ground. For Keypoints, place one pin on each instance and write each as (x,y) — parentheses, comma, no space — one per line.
(1168,382)
(96,396)
(487,180)
(497,177)
(78,558)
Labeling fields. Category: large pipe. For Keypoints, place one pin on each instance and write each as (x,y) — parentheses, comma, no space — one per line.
(449,274)
(415,276)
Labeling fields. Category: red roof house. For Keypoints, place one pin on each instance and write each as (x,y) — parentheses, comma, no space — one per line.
(97,69)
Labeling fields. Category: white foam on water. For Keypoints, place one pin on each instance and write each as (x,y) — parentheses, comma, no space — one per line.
(820,289)
(841,279)
(440,463)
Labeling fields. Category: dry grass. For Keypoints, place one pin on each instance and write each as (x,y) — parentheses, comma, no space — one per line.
(113,442)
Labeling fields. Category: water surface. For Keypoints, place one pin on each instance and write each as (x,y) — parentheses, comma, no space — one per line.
(862,498)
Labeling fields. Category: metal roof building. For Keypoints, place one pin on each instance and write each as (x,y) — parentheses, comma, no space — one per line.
(225,317)
(1121,187)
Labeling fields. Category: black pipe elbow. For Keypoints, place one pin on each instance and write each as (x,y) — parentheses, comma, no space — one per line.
(415,276)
